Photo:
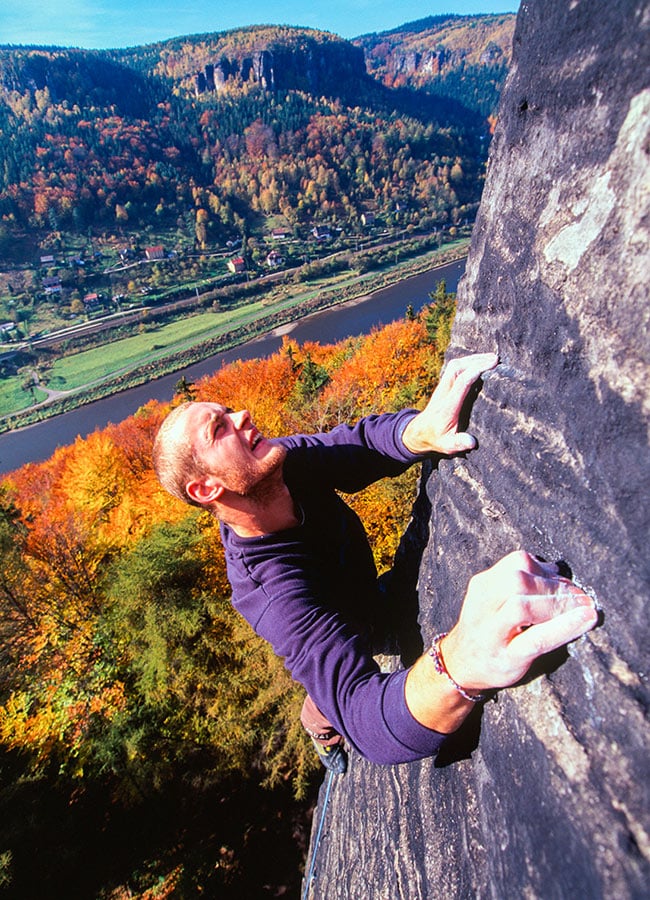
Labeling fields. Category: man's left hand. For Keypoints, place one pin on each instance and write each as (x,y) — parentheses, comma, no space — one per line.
(514,612)
(435,429)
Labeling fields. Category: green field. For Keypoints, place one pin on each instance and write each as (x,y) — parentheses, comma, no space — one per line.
(91,366)
(13,397)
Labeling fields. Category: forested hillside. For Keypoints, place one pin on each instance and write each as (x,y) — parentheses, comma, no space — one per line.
(228,133)
(128,686)
(461,57)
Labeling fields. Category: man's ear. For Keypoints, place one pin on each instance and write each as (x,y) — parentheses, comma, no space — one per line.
(204,490)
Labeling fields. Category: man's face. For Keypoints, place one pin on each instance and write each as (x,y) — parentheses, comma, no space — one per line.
(230,447)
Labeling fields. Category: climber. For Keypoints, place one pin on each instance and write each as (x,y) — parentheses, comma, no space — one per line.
(303,576)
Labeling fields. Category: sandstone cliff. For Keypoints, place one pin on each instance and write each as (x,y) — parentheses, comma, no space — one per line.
(316,67)
(428,47)
(545,793)
(465,57)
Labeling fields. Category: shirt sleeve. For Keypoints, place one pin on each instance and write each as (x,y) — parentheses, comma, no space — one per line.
(333,662)
(350,457)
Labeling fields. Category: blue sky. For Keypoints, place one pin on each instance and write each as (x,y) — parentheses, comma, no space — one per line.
(125,23)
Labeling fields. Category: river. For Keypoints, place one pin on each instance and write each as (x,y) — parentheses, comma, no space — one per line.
(38,442)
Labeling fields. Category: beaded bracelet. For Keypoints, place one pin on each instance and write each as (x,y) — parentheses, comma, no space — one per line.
(439,663)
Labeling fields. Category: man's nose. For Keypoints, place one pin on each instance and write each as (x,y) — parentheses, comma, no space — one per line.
(240,419)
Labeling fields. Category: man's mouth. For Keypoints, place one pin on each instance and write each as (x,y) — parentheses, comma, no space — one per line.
(256,439)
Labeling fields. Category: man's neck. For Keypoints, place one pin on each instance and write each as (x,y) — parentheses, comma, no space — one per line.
(253,516)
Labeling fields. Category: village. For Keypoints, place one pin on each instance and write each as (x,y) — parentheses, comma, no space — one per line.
(73,288)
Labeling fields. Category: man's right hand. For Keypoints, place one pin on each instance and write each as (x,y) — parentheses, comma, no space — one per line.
(513,613)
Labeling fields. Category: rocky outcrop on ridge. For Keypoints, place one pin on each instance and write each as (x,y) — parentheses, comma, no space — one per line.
(319,64)
(420,53)
(544,793)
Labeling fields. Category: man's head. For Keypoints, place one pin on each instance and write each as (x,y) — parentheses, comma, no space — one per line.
(205,453)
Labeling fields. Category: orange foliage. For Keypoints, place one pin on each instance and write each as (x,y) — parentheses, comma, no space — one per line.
(262,386)
(94,500)
(385,361)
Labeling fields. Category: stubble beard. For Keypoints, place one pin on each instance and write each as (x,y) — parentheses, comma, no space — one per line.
(259,483)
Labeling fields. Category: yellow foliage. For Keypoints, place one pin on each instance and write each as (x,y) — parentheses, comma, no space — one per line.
(95,477)
(98,498)
(385,509)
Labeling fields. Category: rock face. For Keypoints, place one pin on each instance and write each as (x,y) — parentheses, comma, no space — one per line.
(318,68)
(545,793)
(433,62)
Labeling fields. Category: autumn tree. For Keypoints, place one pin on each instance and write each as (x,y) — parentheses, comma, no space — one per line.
(439,317)
(122,653)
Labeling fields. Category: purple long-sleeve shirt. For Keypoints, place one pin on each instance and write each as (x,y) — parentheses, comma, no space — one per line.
(308,590)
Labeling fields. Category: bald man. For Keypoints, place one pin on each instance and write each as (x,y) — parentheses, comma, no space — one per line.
(303,575)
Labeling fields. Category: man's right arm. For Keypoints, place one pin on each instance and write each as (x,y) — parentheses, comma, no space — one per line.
(512,613)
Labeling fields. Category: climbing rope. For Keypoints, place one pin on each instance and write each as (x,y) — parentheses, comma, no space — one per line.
(318,834)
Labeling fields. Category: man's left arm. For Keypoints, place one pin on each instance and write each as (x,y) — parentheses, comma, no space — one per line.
(436,428)
(351,457)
